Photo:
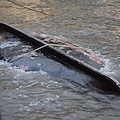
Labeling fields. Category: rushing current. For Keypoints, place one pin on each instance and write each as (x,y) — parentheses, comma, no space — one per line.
(93,24)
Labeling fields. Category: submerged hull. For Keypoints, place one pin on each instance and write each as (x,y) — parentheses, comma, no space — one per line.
(48,59)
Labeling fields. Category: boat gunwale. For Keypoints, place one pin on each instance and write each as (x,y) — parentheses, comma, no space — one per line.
(76,63)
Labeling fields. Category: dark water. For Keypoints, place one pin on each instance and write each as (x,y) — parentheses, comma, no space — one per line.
(94,24)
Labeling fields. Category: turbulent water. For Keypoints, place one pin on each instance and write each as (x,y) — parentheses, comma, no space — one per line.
(94,24)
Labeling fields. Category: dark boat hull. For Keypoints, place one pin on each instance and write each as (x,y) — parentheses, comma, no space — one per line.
(57,63)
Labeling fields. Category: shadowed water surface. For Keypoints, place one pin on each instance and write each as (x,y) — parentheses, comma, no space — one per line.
(94,24)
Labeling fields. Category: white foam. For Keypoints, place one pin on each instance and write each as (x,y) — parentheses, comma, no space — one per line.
(57,37)
(108,67)
(17,73)
(34,103)
(9,44)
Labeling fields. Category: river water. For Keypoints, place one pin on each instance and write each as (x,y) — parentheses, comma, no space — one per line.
(94,24)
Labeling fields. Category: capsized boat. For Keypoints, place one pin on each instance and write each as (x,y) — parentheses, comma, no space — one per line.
(33,54)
